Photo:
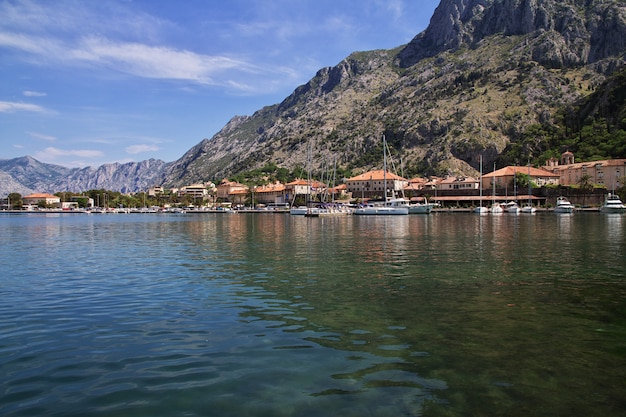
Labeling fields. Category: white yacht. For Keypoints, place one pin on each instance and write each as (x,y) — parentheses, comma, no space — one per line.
(393,206)
(613,204)
(421,208)
(511,207)
(563,205)
(496,208)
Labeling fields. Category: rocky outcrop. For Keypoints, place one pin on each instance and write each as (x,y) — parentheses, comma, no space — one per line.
(566,33)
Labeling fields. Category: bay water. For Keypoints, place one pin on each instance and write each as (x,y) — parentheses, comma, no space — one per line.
(267,314)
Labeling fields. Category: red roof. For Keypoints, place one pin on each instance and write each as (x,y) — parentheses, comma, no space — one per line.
(512,170)
(376,175)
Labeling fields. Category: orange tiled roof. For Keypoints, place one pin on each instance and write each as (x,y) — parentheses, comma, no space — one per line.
(376,175)
(511,170)
(577,165)
(270,188)
(40,195)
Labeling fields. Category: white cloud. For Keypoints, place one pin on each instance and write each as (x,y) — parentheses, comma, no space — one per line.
(137,59)
(155,61)
(135,149)
(41,136)
(51,152)
(12,107)
(28,93)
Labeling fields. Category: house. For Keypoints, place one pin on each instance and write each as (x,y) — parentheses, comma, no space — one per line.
(155,191)
(299,186)
(270,194)
(609,173)
(43,198)
(196,191)
(503,177)
(226,189)
(372,184)
(459,183)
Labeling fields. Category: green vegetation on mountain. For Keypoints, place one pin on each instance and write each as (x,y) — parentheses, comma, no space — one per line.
(594,128)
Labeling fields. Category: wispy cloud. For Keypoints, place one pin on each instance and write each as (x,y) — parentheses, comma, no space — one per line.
(42,137)
(12,107)
(51,152)
(156,61)
(135,149)
(137,59)
(28,93)
(62,36)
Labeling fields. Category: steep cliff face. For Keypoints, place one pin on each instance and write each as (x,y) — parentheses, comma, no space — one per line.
(565,33)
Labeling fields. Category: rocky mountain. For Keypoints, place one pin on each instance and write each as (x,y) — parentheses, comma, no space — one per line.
(25,175)
(471,84)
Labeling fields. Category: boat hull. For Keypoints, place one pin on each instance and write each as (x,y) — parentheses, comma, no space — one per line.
(381,211)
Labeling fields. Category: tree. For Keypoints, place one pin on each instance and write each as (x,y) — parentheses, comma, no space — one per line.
(15,200)
(585,185)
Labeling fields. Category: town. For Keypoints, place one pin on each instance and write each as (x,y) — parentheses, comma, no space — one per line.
(586,184)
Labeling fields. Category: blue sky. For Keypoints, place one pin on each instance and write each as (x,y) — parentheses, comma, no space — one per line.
(92,82)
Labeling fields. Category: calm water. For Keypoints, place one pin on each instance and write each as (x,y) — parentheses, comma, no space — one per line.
(278,315)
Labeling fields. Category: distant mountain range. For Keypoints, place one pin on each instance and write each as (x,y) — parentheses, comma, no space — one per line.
(26,175)
(471,84)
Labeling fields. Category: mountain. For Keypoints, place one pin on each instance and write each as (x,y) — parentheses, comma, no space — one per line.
(25,175)
(470,84)
(505,79)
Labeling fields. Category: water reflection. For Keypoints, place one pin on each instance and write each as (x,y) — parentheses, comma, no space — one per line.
(447,314)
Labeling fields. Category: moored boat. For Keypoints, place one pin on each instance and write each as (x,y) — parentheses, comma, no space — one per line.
(496,208)
(563,205)
(391,205)
(613,204)
(395,206)
(421,208)
(511,207)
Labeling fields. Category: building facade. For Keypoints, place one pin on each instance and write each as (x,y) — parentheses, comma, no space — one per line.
(372,184)
(609,173)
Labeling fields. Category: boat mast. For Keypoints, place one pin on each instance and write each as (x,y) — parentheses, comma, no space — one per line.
(493,186)
(529,187)
(481,180)
(385,166)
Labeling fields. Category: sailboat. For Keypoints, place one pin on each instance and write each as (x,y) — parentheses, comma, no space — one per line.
(529,208)
(480,209)
(496,208)
(512,206)
(390,205)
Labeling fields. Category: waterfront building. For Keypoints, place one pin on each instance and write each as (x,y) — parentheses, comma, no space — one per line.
(196,191)
(229,189)
(372,184)
(155,191)
(503,177)
(44,198)
(609,173)
(459,183)
(270,194)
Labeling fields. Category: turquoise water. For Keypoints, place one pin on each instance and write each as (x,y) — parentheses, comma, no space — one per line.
(278,315)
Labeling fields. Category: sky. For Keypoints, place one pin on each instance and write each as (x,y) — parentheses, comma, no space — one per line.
(89,82)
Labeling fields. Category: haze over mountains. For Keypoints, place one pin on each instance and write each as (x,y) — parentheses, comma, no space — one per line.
(470,84)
